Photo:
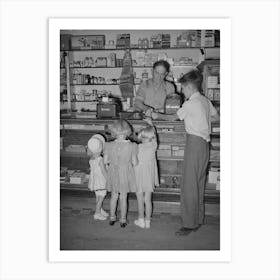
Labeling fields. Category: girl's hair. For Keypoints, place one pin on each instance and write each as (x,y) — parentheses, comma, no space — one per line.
(120,127)
(193,77)
(147,133)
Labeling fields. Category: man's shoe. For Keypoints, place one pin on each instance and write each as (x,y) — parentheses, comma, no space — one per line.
(185,231)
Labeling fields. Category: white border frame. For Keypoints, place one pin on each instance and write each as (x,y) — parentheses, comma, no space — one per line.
(55,254)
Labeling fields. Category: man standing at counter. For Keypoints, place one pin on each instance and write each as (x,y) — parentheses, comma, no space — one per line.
(152,93)
(197,113)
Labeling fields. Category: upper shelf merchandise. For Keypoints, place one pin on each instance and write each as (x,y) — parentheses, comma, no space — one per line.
(187,39)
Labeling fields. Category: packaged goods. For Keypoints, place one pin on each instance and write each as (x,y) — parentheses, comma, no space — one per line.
(88,42)
(164,153)
(76,149)
(213,177)
(61,143)
(140,58)
(77,178)
(156,41)
(123,41)
(65,42)
(212,81)
(165,41)
(111,61)
(172,104)
(215,155)
(101,62)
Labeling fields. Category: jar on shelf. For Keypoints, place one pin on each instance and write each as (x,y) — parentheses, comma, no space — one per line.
(145,43)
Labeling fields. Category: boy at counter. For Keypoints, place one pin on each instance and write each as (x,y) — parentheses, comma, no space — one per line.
(197,112)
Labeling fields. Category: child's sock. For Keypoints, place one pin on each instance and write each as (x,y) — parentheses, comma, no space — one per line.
(140,222)
(147,223)
(104,213)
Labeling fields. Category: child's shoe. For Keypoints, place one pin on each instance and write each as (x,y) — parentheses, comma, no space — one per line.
(112,221)
(140,223)
(104,213)
(123,224)
(99,216)
(147,223)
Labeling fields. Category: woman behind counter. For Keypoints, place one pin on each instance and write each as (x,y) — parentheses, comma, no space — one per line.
(153,92)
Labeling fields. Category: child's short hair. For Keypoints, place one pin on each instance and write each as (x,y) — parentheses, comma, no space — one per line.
(147,132)
(193,77)
(120,127)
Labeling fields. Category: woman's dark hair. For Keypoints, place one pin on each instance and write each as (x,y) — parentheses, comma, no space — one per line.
(193,77)
(163,63)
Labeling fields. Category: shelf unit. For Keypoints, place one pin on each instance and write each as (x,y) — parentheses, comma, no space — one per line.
(68,89)
(169,167)
(140,49)
(78,131)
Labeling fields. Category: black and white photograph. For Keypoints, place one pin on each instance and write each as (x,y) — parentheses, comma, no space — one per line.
(140,139)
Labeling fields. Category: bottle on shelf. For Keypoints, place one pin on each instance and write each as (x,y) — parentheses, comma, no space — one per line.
(139,43)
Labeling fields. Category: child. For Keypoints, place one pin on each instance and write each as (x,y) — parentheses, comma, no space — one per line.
(146,173)
(121,155)
(197,113)
(97,178)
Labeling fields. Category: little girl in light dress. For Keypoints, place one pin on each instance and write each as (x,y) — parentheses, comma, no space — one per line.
(98,174)
(120,155)
(146,173)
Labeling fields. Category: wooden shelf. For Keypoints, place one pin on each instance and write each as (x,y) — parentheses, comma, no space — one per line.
(209,191)
(112,67)
(94,84)
(84,155)
(140,49)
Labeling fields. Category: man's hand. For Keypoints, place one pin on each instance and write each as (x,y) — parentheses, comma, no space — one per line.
(148,112)
(148,121)
(154,115)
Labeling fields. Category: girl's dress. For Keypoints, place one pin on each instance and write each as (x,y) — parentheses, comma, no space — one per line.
(121,176)
(97,180)
(146,171)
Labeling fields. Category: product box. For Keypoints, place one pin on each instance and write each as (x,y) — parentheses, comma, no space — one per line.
(77,178)
(216,94)
(215,129)
(165,41)
(76,149)
(140,58)
(88,42)
(61,143)
(214,155)
(111,60)
(101,62)
(164,147)
(214,177)
(178,151)
(156,41)
(212,82)
(65,42)
(164,153)
(215,142)
(123,41)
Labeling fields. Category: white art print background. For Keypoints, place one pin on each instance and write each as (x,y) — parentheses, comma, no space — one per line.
(55,254)
(255,249)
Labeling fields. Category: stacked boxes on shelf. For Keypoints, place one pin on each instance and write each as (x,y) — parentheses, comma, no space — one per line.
(123,41)
(214,177)
(88,42)
(164,150)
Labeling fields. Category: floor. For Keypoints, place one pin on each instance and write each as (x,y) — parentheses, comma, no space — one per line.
(79,231)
